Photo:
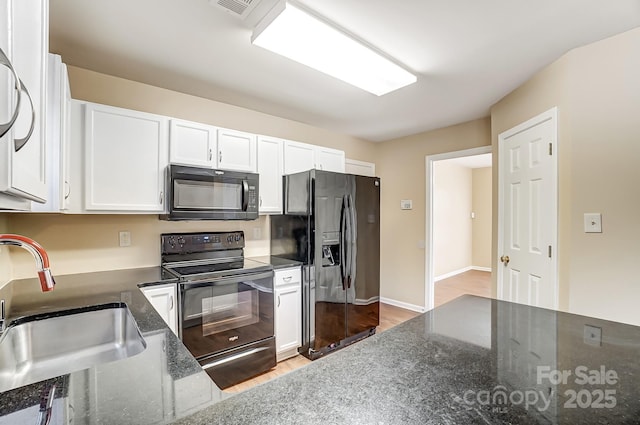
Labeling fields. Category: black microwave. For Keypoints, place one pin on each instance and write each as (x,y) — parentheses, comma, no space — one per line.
(195,193)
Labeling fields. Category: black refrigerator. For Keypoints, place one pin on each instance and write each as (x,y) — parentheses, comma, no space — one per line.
(331,223)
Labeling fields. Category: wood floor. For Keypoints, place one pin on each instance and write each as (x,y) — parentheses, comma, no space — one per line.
(472,282)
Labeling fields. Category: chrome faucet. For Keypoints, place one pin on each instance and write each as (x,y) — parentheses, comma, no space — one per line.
(42,259)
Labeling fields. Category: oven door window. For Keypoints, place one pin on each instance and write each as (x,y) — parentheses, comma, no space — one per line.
(203,195)
(229,311)
(221,315)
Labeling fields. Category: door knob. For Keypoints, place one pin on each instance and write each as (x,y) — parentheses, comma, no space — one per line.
(505,259)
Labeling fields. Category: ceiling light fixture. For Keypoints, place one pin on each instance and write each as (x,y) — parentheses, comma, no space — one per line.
(296,34)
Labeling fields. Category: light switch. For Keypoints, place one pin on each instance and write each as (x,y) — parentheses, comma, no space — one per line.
(592,223)
(406,204)
(125,238)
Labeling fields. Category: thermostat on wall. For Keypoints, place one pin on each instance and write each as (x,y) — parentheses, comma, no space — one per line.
(406,204)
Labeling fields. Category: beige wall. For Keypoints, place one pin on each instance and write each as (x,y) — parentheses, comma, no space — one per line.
(452,224)
(481,227)
(597,93)
(79,243)
(401,166)
(5,263)
(85,243)
(605,172)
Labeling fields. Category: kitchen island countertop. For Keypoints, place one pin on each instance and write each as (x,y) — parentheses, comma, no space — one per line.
(473,360)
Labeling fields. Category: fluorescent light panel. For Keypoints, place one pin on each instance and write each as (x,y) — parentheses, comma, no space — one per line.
(299,36)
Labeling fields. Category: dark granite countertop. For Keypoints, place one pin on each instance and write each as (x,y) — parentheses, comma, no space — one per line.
(471,361)
(157,386)
(277,262)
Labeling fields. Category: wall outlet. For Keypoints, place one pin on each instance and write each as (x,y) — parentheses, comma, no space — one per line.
(592,335)
(125,238)
(592,223)
(406,204)
(257,233)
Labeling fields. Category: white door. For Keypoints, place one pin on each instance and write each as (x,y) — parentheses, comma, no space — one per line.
(528,212)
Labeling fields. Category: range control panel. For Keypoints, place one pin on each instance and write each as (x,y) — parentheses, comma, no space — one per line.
(183,243)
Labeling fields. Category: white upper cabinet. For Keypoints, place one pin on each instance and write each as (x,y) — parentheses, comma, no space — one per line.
(237,151)
(302,157)
(192,143)
(298,157)
(126,154)
(58,98)
(361,168)
(24,35)
(329,159)
(270,158)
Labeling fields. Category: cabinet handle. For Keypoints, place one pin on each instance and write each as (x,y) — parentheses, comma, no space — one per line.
(278,301)
(170,302)
(66,195)
(287,278)
(4,60)
(161,198)
(260,200)
(220,156)
(210,154)
(19,143)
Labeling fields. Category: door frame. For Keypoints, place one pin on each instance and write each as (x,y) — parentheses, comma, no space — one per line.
(552,115)
(429,301)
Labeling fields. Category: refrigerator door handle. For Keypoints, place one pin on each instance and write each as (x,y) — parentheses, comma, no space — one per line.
(349,249)
(343,225)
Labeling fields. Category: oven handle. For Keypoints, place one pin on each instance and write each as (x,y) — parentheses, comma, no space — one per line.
(227,280)
(234,357)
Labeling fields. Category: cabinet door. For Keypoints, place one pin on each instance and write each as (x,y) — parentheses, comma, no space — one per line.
(24,40)
(192,143)
(237,151)
(125,160)
(329,159)
(270,158)
(298,157)
(288,318)
(163,299)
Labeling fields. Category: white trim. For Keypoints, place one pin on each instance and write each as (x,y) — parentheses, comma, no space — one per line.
(481,269)
(451,274)
(551,114)
(402,304)
(359,301)
(429,282)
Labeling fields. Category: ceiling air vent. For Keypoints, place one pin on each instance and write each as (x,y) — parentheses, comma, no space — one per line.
(239,8)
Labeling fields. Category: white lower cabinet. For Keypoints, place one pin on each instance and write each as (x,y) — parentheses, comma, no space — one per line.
(288,312)
(164,299)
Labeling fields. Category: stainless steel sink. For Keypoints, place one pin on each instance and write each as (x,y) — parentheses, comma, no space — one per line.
(44,346)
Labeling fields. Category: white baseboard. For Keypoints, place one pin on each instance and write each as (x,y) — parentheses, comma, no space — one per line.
(457,272)
(451,274)
(401,304)
(481,269)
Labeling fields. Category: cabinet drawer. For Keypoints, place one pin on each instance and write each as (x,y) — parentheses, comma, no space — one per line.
(287,276)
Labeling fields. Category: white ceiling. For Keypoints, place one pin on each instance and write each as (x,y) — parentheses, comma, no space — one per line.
(468,54)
